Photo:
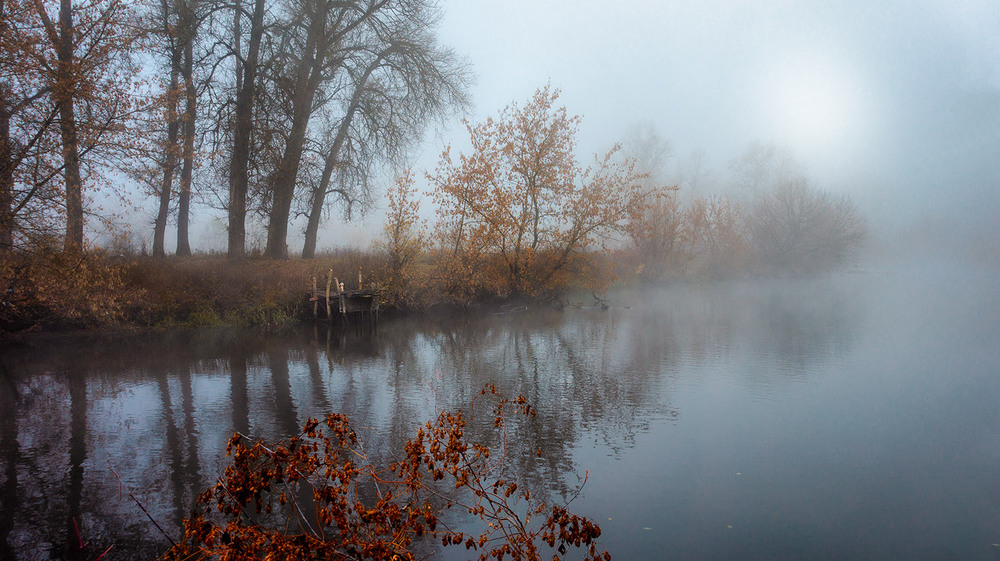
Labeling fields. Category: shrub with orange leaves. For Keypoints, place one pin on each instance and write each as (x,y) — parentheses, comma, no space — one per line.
(356,511)
(519,209)
(54,288)
(403,241)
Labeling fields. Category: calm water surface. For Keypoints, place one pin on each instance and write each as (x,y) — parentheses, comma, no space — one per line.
(852,417)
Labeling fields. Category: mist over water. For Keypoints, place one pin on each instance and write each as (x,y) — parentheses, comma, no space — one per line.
(846,417)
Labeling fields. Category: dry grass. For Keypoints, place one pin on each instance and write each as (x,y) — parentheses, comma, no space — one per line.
(207,290)
(48,290)
(97,290)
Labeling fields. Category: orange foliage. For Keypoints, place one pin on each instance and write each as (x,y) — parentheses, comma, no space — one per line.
(714,237)
(50,287)
(516,212)
(357,511)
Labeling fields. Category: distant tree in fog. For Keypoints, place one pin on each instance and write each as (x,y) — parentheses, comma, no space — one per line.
(762,166)
(714,237)
(650,151)
(694,175)
(797,228)
(655,234)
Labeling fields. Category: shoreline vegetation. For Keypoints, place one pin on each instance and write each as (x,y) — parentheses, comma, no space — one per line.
(97,290)
(518,218)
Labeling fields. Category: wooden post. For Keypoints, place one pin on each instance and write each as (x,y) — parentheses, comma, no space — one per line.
(340,295)
(315,299)
(329,279)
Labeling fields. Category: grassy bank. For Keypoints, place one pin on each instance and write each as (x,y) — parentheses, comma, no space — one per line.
(98,290)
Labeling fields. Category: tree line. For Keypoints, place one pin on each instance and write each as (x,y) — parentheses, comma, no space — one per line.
(518,215)
(278,110)
(273,109)
(770,217)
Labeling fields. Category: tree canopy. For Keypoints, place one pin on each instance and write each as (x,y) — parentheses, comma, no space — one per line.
(519,209)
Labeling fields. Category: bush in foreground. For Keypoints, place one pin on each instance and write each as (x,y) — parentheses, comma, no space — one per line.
(354,510)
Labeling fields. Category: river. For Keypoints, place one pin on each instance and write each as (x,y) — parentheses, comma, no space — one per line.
(855,416)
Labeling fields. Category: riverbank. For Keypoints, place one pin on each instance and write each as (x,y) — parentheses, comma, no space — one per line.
(97,290)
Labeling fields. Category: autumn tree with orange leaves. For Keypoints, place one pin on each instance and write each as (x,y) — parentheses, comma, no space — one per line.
(66,95)
(519,212)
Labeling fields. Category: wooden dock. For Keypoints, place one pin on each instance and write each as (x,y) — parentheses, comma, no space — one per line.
(337,304)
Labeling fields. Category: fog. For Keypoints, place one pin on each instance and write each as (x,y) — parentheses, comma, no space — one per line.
(896,104)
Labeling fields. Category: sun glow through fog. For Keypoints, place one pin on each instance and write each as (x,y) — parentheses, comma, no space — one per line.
(812,105)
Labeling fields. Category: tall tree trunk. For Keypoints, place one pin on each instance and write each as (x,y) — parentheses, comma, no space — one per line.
(64,93)
(188,31)
(242,123)
(187,170)
(323,187)
(307,80)
(173,130)
(316,211)
(6,180)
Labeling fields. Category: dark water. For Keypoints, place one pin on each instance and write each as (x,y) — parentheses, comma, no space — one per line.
(853,417)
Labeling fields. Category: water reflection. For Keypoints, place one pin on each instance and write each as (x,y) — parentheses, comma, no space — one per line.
(160,407)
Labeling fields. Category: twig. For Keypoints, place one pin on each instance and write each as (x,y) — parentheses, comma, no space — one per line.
(302,517)
(146,512)
(105,553)
(79,538)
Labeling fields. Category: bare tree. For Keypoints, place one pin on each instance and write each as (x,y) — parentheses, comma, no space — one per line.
(378,63)
(656,234)
(644,144)
(393,91)
(245,67)
(762,166)
(163,25)
(188,20)
(800,229)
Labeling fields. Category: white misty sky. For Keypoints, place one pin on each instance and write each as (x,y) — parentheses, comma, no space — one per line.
(827,79)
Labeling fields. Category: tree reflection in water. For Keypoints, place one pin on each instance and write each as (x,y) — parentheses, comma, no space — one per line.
(160,407)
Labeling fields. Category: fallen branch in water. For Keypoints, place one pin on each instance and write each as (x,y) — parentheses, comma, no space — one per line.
(137,502)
